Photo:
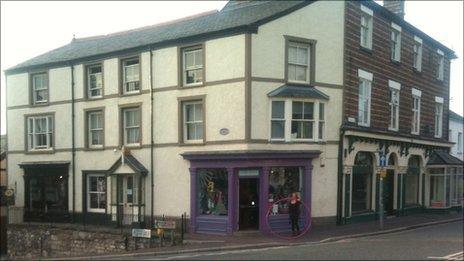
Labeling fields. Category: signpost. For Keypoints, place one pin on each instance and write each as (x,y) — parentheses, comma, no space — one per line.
(382,174)
(162,225)
(145,233)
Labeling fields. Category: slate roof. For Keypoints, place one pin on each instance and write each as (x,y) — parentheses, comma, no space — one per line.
(455,117)
(443,158)
(241,19)
(236,17)
(295,91)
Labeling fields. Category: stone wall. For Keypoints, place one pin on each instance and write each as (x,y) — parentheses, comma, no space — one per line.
(36,240)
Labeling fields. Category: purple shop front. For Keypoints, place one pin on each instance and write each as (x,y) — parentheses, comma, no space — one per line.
(235,190)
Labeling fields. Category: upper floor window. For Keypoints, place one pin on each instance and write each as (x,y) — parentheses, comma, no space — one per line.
(192,60)
(364,98)
(440,65)
(395,42)
(39,132)
(321,135)
(95,129)
(94,81)
(416,108)
(278,120)
(303,120)
(131,126)
(366,27)
(459,143)
(394,104)
(438,116)
(131,75)
(298,62)
(39,88)
(193,125)
(417,54)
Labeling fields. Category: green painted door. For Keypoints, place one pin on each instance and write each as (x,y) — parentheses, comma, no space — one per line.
(388,192)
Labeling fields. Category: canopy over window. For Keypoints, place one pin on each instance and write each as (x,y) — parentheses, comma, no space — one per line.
(443,158)
(296,91)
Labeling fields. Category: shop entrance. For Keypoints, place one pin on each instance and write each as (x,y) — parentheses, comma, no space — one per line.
(388,192)
(248,203)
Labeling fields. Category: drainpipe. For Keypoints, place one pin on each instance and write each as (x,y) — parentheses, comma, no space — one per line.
(151,138)
(340,179)
(73,150)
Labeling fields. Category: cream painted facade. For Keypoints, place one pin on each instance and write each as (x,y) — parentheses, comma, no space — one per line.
(225,108)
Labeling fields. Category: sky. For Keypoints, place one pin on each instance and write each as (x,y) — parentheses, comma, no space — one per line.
(29,29)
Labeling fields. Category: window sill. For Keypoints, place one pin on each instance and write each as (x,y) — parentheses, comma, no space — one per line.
(366,50)
(364,125)
(131,93)
(94,148)
(133,146)
(415,133)
(391,129)
(94,98)
(414,69)
(188,86)
(40,151)
(193,143)
(395,62)
(40,104)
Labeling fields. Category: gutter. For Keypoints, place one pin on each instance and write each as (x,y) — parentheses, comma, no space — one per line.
(73,149)
(340,179)
(152,185)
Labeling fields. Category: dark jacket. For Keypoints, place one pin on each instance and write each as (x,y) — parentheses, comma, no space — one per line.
(294,209)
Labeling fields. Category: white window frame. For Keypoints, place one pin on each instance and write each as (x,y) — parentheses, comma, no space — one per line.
(299,45)
(365,78)
(43,88)
(288,106)
(90,130)
(366,27)
(394,105)
(314,120)
(32,134)
(416,112)
(124,66)
(185,123)
(440,65)
(438,117)
(395,42)
(278,119)
(125,128)
(321,120)
(417,54)
(192,68)
(89,85)
(96,210)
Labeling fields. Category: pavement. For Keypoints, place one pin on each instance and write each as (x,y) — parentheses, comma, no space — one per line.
(197,243)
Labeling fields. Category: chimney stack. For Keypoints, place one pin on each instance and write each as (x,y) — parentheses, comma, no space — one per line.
(395,6)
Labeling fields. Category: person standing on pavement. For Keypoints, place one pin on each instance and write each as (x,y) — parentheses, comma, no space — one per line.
(294,212)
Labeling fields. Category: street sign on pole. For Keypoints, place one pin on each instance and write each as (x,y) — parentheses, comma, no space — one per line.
(382,174)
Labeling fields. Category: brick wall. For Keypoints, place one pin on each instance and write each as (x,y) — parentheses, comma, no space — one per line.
(379,63)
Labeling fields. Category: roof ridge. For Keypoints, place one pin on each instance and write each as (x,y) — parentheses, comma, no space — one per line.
(169,22)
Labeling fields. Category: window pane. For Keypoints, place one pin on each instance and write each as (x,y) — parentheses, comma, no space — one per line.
(292,72)
(411,182)
(292,54)
(307,130)
(308,110)
(278,109)
(41,95)
(199,131)
(321,130)
(189,59)
(212,191)
(199,57)
(132,135)
(94,200)
(95,120)
(277,129)
(198,112)
(321,111)
(297,110)
(194,76)
(97,137)
(190,112)
(282,183)
(301,73)
(302,56)
(437,193)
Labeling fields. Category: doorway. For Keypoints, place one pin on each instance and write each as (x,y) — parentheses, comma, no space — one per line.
(248,203)
(388,191)
(127,199)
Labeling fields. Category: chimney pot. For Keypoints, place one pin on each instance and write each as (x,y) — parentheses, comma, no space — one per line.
(395,6)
